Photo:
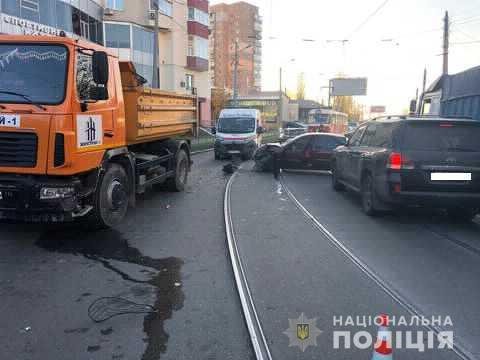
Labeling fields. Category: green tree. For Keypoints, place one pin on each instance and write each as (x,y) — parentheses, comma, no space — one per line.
(301,87)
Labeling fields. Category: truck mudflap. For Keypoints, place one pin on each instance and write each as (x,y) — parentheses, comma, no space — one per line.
(43,199)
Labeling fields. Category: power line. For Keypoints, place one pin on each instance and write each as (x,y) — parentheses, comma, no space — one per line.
(369,17)
(465,42)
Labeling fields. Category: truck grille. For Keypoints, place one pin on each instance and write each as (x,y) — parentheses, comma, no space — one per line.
(18,149)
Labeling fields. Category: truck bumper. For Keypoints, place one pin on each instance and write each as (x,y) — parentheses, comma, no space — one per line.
(21,200)
(387,192)
(246,148)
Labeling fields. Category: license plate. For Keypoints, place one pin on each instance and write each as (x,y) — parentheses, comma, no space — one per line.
(451,176)
(9,120)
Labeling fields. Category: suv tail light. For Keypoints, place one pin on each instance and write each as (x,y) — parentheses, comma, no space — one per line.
(397,161)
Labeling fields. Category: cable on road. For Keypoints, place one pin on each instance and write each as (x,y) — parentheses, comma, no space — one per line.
(105,308)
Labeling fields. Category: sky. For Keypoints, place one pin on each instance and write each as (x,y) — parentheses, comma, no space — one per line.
(391,48)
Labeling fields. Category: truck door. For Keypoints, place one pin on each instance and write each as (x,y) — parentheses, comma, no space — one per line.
(95,127)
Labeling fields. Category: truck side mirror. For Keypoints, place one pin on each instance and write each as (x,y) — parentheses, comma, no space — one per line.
(100,67)
(260,130)
(214,130)
(98,93)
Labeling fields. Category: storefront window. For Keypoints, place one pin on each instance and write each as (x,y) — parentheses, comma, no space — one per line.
(60,15)
(143,43)
(11,7)
(64,16)
(117,36)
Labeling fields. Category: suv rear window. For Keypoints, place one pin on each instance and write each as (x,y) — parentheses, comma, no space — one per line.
(438,136)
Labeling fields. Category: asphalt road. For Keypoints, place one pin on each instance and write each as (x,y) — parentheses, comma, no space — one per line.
(292,268)
(431,261)
(170,253)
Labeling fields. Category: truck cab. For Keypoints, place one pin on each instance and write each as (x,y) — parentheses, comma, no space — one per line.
(63,128)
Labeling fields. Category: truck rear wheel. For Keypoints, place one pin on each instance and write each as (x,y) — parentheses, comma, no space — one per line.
(179,181)
(111,198)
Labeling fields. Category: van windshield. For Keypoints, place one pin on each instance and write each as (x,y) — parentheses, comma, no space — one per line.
(437,136)
(32,73)
(238,125)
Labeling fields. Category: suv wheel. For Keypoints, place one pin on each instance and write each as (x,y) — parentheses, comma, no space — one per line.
(368,196)
(336,185)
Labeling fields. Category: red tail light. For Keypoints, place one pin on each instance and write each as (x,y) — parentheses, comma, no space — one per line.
(397,161)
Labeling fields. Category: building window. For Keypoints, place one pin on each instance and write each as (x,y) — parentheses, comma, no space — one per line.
(143,44)
(117,36)
(84,26)
(197,47)
(164,7)
(118,5)
(30,10)
(189,81)
(198,15)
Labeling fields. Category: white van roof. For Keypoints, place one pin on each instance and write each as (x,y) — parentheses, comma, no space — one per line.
(239,113)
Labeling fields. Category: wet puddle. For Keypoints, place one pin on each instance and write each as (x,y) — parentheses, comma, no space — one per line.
(109,245)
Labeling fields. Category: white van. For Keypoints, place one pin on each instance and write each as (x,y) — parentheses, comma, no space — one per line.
(238,131)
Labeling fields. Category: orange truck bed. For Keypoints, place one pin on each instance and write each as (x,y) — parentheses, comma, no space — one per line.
(152,114)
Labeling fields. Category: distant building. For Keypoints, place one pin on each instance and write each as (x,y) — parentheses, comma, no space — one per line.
(304,108)
(183,43)
(228,23)
(50,17)
(273,106)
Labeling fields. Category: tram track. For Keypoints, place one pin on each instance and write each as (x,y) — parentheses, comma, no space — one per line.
(254,326)
(458,348)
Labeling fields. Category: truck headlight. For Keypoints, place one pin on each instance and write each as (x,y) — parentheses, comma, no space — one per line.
(49,193)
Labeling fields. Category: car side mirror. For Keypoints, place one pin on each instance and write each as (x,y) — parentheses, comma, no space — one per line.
(213,130)
(100,68)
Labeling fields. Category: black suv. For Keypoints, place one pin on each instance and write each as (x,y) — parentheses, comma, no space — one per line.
(432,162)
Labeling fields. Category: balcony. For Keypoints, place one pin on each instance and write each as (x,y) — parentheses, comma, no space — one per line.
(195,28)
(196,63)
(199,4)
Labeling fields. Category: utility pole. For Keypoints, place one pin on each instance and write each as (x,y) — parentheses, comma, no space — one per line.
(446,42)
(424,87)
(156,70)
(280,101)
(235,75)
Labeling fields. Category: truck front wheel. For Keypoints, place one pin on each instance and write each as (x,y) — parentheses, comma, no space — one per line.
(179,181)
(111,198)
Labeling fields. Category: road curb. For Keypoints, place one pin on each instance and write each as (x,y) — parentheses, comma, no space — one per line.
(258,340)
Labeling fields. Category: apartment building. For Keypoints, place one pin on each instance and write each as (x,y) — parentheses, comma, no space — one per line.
(229,23)
(77,18)
(183,43)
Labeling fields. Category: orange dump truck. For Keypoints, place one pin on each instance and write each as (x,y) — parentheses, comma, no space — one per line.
(80,135)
